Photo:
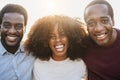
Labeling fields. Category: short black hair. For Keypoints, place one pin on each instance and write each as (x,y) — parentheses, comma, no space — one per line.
(110,9)
(14,8)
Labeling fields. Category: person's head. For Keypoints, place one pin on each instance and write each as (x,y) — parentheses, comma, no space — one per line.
(99,17)
(13,19)
(56,36)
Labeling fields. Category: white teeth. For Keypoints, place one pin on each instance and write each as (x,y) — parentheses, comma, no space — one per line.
(100,36)
(12,38)
(59,47)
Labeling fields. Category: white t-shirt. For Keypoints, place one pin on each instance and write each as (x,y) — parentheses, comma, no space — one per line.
(59,70)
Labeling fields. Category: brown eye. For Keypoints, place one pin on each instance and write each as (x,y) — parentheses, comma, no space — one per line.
(53,37)
(104,21)
(6,25)
(18,26)
(91,24)
(62,35)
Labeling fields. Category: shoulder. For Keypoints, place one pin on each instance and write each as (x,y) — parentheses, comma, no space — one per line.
(77,62)
(118,30)
(39,61)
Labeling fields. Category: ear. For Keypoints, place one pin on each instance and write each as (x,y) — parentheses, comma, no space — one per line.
(113,22)
(24,30)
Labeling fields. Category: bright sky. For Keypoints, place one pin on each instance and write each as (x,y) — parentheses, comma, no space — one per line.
(74,8)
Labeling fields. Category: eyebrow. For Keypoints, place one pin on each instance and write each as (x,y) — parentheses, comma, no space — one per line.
(104,17)
(90,20)
(51,33)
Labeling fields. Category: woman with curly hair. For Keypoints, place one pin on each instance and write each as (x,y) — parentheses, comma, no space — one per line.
(56,42)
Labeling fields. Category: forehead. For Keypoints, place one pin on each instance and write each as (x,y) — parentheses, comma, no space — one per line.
(57,28)
(13,17)
(97,10)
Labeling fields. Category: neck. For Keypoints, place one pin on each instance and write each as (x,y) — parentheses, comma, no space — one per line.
(11,49)
(59,58)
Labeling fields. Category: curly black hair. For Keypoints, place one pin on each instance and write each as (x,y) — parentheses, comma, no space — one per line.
(38,37)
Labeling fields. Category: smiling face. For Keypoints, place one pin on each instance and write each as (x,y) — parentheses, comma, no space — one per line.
(12,29)
(58,43)
(99,24)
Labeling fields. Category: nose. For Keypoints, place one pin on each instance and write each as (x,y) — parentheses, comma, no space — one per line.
(12,30)
(58,39)
(99,27)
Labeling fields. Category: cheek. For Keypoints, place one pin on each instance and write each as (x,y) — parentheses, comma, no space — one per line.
(21,33)
(3,32)
(89,30)
(66,41)
(109,27)
(51,43)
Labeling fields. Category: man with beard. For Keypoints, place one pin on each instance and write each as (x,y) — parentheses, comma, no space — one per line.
(15,64)
(103,58)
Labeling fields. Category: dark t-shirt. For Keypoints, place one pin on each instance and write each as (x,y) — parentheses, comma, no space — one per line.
(104,63)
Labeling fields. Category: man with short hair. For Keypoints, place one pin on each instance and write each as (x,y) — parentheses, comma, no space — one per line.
(15,63)
(103,57)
